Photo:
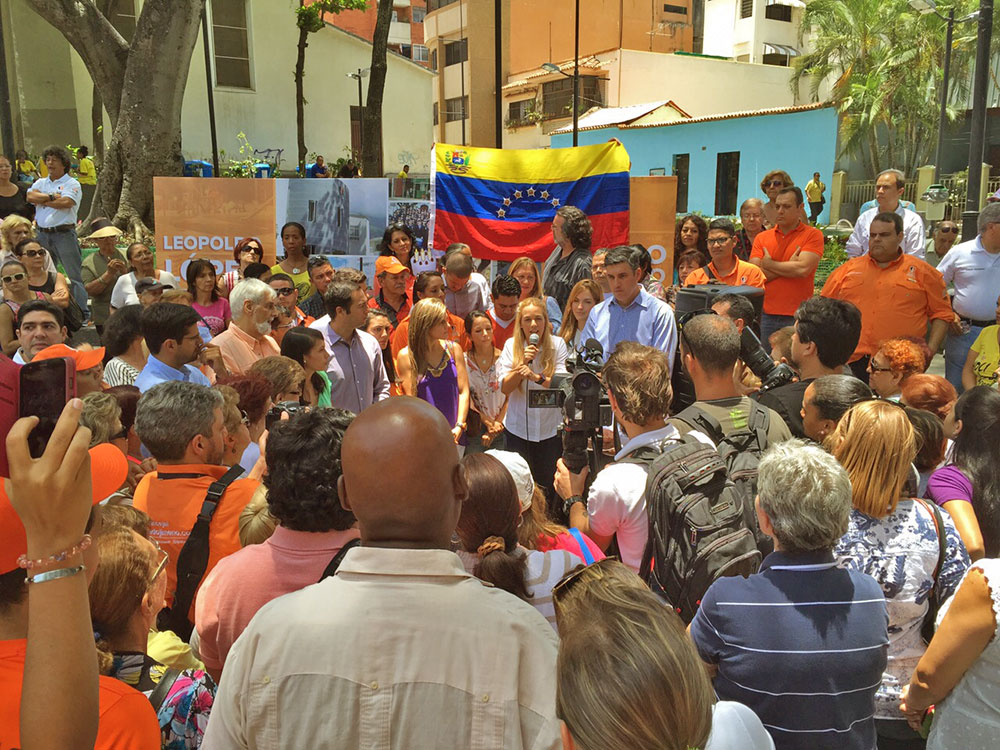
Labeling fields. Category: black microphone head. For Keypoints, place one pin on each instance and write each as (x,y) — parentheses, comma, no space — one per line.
(594,345)
(533,339)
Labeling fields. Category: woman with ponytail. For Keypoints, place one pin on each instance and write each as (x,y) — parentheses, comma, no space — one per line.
(126,594)
(488,527)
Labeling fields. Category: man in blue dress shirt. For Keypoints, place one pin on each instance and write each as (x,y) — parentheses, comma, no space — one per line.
(171,333)
(630,313)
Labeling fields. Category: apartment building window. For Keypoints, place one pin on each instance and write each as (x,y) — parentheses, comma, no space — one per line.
(456,52)
(517,112)
(122,17)
(680,10)
(434,59)
(433,5)
(727,183)
(746,8)
(456,109)
(231,42)
(778,12)
(420,53)
(435,113)
(682,163)
(418,14)
(557,96)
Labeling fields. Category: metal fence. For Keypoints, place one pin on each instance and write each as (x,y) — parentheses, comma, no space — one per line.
(860,192)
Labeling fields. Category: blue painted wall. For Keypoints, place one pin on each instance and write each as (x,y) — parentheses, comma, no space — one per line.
(798,142)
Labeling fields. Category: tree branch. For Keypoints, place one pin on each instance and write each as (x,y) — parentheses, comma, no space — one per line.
(100,46)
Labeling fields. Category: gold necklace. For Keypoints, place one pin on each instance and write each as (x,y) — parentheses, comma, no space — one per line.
(436,371)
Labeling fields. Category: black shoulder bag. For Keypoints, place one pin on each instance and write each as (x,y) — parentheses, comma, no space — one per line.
(193,559)
(331,568)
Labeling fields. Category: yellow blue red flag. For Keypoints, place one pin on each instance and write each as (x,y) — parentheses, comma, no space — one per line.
(501,201)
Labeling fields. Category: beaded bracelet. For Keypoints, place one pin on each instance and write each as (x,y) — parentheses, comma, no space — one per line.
(53,575)
(76,549)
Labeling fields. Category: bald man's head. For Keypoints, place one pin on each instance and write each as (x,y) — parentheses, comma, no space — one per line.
(401,475)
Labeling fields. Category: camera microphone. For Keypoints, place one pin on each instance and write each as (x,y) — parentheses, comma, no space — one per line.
(533,339)
(593,345)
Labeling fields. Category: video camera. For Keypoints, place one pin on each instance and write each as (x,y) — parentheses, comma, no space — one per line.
(581,396)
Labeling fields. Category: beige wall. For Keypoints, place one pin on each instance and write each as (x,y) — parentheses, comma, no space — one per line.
(267,113)
(43,95)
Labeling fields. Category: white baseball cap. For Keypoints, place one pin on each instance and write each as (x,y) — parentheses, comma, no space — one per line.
(518,468)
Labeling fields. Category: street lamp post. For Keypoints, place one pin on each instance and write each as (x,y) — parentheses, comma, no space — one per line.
(977,135)
(929,6)
(361,73)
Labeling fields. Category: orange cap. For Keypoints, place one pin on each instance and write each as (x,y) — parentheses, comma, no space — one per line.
(386,264)
(84,358)
(108,469)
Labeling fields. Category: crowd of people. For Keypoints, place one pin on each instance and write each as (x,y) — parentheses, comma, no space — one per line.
(292,506)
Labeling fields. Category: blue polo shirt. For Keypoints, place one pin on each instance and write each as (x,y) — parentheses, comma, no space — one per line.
(156,372)
(647,320)
(804,644)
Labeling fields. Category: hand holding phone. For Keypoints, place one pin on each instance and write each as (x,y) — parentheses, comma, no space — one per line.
(44,388)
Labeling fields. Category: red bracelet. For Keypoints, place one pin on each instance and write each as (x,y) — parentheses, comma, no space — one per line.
(76,549)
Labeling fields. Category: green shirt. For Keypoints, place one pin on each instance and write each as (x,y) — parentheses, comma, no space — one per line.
(732,413)
(94,267)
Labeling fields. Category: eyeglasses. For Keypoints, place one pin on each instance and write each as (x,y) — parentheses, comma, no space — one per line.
(163,562)
(948,230)
(34,253)
(872,367)
(285,292)
(718,240)
(12,277)
(568,581)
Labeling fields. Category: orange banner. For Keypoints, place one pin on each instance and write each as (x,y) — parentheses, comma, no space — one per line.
(206,218)
(653,212)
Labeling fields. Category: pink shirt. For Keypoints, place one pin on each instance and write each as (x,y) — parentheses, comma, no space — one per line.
(568,542)
(247,580)
(240,350)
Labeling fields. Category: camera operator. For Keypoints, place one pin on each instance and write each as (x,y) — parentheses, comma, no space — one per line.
(710,349)
(630,313)
(826,334)
(637,378)
(737,308)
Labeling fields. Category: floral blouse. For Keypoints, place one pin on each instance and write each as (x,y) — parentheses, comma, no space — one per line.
(184,713)
(901,552)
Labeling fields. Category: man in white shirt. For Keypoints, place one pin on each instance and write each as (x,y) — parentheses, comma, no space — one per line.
(638,382)
(974,269)
(888,191)
(56,199)
(401,648)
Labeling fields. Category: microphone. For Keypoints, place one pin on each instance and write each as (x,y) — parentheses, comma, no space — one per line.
(533,340)
(593,345)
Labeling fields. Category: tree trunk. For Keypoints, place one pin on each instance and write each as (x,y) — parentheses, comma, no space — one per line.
(371,121)
(300,101)
(97,124)
(142,88)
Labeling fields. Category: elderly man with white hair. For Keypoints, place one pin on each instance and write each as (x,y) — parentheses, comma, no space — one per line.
(804,642)
(247,339)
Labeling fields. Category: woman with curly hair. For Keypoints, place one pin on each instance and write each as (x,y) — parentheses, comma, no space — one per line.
(894,362)
(690,233)
(571,260)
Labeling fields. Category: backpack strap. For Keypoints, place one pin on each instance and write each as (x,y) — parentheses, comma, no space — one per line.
(588,557)
(162,688)
(192,562)
(759,422)
(698,418)
(708,272)
(332,566)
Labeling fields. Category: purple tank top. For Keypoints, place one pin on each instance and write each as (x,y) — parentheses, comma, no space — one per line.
(441,392)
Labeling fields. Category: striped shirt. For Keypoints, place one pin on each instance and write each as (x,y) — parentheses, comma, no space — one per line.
(803,643)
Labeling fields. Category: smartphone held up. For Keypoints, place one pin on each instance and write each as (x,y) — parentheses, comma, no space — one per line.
(40,389)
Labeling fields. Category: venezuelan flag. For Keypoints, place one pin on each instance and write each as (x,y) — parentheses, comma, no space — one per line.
(501,201)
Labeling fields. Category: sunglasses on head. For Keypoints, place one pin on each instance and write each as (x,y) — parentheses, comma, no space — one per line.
(12,277)
(568,581)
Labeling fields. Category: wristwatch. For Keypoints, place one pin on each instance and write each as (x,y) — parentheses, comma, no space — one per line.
(569,502)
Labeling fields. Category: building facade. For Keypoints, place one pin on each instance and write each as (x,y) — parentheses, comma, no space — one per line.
(406,31)
(754,31)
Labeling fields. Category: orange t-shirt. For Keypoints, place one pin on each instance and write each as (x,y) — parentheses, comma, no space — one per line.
(743,274)
(173,496)
(400,337)
(126,720)
(500,333)
(894,301)
(782,296)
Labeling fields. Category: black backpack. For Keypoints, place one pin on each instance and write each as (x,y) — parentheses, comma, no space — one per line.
(192,562)
(697,523)
(741,451)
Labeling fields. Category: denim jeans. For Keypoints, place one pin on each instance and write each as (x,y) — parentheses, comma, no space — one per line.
(771,323)
(65,249)
(956,349)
